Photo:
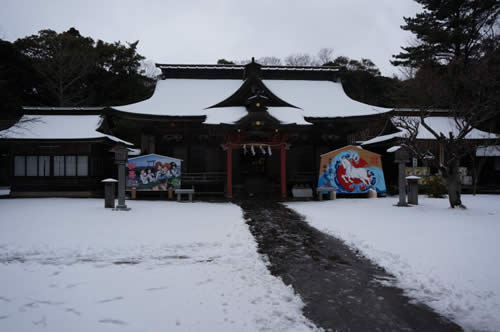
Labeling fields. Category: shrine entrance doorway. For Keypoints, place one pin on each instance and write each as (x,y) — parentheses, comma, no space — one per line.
(261,166)
(255,172)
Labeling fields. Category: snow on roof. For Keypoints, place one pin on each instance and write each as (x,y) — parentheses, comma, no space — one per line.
(230,115)
(445,125)
(57,127)
(299,68)
(394,148)
(184,97)
(383,138)
(288,115)
(226,115)
(64,108)
(320,98)
(192,97)
(488,151)
(134,152)
(440,124)
(161,66)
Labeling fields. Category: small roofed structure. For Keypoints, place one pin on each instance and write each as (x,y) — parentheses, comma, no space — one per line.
(443,124)
(57,152)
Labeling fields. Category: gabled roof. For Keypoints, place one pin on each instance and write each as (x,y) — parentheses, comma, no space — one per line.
(194,97)
(57,127)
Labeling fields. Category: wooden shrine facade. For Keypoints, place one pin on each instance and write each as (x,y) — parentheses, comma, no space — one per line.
(240,130)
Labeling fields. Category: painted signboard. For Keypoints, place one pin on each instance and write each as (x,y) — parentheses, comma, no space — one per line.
(351,170)
(153,172)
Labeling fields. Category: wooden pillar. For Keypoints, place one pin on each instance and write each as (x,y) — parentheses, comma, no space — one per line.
(229,171)
(283,170)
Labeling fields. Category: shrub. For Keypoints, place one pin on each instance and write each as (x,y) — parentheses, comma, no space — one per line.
(436,187)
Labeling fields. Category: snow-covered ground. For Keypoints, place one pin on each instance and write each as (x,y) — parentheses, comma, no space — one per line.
(71,265)
(448,259)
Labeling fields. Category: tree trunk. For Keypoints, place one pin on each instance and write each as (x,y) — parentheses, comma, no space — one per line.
(454,186)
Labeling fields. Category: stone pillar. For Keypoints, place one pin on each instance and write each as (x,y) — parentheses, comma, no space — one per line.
(229,171)
(121,153)
(283,170)
(402,157)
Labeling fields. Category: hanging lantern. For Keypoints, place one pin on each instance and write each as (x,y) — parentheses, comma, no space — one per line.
(262,150)
(252,149)
(269,151)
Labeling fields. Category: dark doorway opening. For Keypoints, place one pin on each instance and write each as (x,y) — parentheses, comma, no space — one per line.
(254,170)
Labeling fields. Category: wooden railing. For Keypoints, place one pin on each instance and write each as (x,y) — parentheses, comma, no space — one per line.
(308,177)
(203,177)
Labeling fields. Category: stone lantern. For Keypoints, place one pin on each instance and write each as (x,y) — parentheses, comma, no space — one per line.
(121,154)
(401,157)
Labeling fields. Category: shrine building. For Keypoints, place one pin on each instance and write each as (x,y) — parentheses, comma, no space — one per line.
(239,130)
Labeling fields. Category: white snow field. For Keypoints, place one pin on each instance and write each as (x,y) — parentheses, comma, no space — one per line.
(71,265)
(446,258)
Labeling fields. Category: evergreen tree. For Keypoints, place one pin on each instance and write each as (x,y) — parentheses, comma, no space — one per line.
(448,31)
(456,63)
(363,82)
(225,62)
(16,83)
(74,70)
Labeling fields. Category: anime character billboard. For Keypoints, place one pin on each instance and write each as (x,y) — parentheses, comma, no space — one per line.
(153,172)
(351,170)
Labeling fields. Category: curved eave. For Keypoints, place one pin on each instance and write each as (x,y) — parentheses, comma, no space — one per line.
(140,116)
(236,126)
(353,117)
(103,139)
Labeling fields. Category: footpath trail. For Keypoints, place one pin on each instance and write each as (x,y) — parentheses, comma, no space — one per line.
(342,290)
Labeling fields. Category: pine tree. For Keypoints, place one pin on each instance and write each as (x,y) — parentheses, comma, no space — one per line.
(454,60)
(449,31)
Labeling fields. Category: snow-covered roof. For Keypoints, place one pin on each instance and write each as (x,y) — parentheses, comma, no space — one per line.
(445,125)
(210,67)
(320,99)
(225,115)
(63,108)
(440,124)
(488,151)
(230,115)
(193,97)
(301,68)
(57,127)
(394,148)
(288,115)
(184,97)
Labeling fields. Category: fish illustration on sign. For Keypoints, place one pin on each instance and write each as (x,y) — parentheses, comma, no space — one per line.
(352,170)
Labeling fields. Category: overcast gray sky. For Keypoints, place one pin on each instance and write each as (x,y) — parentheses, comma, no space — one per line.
(203,31)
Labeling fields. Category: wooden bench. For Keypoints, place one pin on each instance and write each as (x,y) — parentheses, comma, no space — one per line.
(189,192)
(332,193)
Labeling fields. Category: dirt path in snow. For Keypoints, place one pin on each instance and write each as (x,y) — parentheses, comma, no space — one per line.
(340,288)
